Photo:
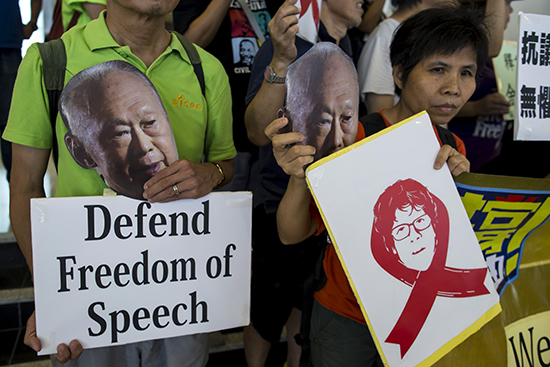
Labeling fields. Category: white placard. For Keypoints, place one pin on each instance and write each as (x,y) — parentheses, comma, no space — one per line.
(114,270)
(532,120)
(348,188)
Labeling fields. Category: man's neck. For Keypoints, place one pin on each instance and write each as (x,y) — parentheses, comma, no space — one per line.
(146,36)
(334,25)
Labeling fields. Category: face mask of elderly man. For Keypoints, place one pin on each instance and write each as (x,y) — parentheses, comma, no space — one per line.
(323,99)
(117,125)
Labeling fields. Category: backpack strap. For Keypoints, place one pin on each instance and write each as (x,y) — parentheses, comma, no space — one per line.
(54,62)
(372,123)
(446,137)
(195,60)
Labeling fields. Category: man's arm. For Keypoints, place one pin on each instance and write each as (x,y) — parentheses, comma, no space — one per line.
(27,175)
(496,20)
(491,104)
(202,30)
(270,98)
(372,17)
(30,27)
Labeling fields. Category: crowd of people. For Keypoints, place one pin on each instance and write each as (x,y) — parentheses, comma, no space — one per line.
(263,105)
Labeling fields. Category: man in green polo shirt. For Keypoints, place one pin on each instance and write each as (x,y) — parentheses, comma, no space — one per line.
(131,31)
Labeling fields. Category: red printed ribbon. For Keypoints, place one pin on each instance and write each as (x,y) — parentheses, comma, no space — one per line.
(314,8)
(437,280)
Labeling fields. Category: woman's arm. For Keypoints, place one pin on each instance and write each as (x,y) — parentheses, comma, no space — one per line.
(294,221)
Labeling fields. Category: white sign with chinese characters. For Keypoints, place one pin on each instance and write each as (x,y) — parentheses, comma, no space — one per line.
(505,72)
(533,78)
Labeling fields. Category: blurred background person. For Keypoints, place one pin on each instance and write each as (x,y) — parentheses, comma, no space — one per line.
(12,34)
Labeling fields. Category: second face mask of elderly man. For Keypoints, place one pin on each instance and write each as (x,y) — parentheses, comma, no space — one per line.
(323,99)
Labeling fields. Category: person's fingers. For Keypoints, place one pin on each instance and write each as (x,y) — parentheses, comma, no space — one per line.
(165,179)
(458,164)
(296,166)
(63,353)
(76,349)
(30,338)
(273,128)
(284,141)
(442,156)
(163,174)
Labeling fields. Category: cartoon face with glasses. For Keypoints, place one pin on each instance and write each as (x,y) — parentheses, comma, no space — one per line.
(408,225)
(414,237)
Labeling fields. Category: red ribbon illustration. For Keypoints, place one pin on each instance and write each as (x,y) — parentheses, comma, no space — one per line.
(437,279)
(314,8)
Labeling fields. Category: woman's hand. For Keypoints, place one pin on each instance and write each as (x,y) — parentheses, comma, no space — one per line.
(290,156)
(457,162)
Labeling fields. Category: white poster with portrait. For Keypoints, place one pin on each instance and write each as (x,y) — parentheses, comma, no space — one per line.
(532,119)
(405,242)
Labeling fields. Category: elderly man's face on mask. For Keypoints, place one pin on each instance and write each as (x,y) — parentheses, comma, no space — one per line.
(130,137)
(331,123)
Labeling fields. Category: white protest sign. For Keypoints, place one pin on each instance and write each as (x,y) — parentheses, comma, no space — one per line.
(533,78)
(405,242)
(111,271)
(308,20)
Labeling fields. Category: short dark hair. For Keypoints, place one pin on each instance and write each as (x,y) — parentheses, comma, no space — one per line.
(444,31)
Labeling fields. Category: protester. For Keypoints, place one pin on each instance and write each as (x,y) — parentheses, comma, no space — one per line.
(480,123)
(202,134)
(435,55)
(374,66)
(222,28)
(278,271)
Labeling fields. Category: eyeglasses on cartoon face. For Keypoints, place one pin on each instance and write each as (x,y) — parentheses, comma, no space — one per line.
(403,231)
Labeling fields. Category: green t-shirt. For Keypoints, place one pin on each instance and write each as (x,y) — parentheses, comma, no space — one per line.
(202,127)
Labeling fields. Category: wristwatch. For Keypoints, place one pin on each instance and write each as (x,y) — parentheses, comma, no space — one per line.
(271,77)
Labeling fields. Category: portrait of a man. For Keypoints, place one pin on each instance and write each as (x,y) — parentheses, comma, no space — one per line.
(323,98)
(117,125)
(247,52)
